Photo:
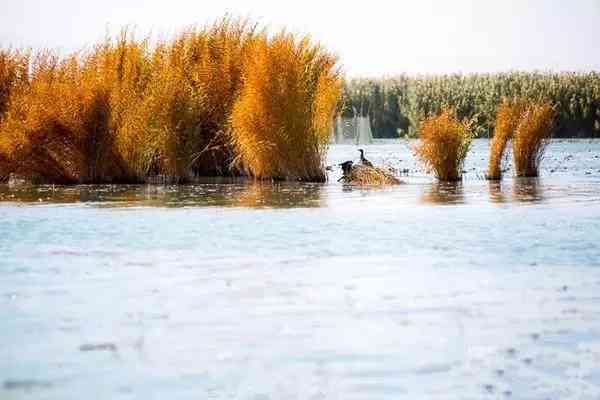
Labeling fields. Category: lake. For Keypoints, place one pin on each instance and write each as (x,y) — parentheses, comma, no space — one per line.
(241,290)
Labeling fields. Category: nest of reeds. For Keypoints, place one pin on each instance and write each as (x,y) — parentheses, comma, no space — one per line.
(365,175)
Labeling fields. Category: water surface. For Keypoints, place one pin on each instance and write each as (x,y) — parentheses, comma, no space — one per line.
(305,291)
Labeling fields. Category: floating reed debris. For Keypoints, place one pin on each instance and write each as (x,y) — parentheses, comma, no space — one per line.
(444,144)
(531,138)
(507,119)
(225,99)
(364,175)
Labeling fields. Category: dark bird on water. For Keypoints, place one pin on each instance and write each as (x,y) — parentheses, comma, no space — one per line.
(346,167)
(363,160)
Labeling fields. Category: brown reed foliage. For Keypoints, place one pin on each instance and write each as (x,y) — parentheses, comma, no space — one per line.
(281,122)
(508,116)
(125,110)
(187,103)
(14,71)
(56,128)
(444,144)
(4,168)
(531,138)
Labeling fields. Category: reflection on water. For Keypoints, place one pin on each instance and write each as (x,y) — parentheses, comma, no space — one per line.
(250,194)
(258,194)
(527,190)
(524,190)
(495,191)
(444,193)
(247,194)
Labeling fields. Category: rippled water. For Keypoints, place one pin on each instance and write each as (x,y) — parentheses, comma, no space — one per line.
(288,291)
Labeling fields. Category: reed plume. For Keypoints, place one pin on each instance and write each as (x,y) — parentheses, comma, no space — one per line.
(507,119)
(531,138)
(444,144)
(281,121)
(126,110)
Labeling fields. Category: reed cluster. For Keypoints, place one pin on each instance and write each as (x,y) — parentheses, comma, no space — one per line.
(225,99)
(13,72)
(444,144)
(282,118)
(531,138)
(509,115)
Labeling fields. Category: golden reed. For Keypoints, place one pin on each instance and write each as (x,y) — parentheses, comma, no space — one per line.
(444,144)
(127,110)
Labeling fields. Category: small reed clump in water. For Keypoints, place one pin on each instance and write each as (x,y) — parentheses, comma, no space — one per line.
(444,144)
(366,175)
(531,138)
(507,118)
(529,125)
(127,110)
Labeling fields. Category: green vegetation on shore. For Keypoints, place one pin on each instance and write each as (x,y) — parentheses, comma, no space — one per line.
(397,104)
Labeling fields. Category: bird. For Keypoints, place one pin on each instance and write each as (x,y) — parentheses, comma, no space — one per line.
(346,167)
(363,160)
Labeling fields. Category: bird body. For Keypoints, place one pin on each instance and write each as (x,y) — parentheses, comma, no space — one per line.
(363,160)
(346,167)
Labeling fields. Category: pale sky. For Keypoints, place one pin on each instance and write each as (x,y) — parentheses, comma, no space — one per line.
(371,37)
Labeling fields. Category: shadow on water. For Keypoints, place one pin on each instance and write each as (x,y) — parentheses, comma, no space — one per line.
(496,194)
(527,190)
(444,193)
(246,194)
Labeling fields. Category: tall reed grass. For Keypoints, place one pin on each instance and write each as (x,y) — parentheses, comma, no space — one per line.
(281,122)
(126,110)
(14,71)
(508,116)
(56,125)
(444,144)
(531,138)
(396,104)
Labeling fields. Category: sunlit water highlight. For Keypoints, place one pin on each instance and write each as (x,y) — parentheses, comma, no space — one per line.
(287,291)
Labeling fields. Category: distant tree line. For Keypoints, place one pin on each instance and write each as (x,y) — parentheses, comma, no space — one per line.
(396,105)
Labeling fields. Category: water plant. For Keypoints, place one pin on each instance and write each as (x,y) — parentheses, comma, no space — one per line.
(281,122)
(508,116)
(126,110)
(444,144)
(56,125)
(397,104)
(14,70)
(531,138)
